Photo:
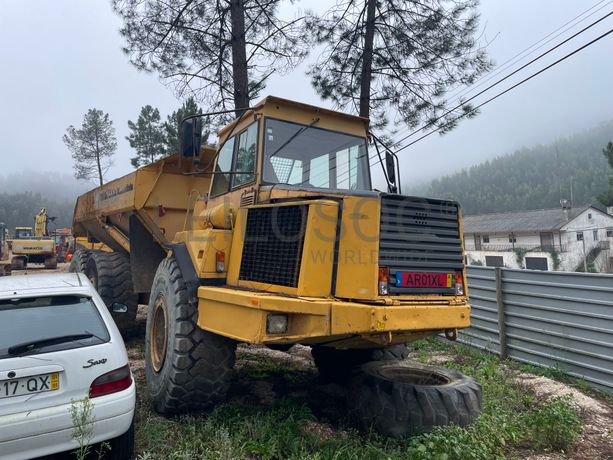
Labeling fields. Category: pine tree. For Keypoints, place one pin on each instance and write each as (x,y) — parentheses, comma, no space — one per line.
(92,145)
(147,137)
(399,54)
(222,52)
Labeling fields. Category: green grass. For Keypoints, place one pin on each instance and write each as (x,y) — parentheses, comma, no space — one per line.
(512,422)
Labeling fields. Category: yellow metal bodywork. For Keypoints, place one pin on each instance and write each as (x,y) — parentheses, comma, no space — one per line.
(202,246)
(317,252)
(242,315)
(81,242)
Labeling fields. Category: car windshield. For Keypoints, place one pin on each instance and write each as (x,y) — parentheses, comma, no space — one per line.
(44,320)
(306,155)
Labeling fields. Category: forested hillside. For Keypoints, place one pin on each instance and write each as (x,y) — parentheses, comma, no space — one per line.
(22,195)
(531,178)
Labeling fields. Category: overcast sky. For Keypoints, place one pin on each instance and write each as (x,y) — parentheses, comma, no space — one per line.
(62,57)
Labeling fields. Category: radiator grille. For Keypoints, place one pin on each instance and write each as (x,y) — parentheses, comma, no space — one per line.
(419,234)
(272,250)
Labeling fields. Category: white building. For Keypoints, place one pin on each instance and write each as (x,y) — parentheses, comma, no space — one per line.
(562,239)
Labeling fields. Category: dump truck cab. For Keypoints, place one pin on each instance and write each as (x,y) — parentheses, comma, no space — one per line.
(291,244)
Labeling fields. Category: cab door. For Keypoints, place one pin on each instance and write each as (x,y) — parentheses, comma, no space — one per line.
(234,181)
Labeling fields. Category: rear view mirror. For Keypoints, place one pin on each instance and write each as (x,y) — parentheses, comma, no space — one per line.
(119,308)
(390,167)
(191,137)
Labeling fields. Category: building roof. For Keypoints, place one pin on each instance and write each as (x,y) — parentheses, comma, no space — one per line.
(537,220)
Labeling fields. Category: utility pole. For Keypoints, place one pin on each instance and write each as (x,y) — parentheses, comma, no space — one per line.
(584,255)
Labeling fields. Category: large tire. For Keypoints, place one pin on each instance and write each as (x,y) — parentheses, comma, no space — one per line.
(110,274)
(79,260)
(399,400)
(187,368)
(335,365)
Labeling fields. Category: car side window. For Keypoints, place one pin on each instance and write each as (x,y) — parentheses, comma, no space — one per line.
(221,182)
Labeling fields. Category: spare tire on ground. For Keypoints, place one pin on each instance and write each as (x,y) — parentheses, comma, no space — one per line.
(336,364)
(399,399)
(110,274)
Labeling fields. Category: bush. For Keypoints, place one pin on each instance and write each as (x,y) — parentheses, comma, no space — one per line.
(553,426)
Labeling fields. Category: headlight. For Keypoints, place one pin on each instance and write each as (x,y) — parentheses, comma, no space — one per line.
(276,323)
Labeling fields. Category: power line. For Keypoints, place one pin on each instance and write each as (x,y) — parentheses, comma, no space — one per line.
(457,94)
(504,65)
(503,79)
(572,53)
(600,37)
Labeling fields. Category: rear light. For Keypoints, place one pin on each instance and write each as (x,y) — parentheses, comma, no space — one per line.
(459,283)
(220,261)
(111,382)
(383,280)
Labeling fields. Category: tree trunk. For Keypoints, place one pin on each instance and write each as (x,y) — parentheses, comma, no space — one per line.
(98,157)
(239,56)
(367,59)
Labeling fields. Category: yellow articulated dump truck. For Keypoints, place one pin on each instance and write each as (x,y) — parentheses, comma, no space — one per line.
(276,237)
(34,247)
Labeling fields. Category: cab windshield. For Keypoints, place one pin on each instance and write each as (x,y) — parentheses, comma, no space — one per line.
(305,155)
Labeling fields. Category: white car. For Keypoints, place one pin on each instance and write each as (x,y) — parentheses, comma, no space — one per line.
(59,347)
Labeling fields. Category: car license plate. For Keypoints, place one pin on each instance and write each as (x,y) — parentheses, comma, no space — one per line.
(424,280)
(29,385)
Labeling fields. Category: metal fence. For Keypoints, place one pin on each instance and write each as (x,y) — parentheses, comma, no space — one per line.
(560,320)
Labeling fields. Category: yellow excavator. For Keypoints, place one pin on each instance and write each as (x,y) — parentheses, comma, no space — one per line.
(34,247)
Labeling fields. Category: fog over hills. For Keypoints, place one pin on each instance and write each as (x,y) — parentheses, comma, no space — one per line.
(531,178)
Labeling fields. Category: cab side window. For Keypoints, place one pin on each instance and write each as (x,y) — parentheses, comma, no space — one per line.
(245,156)
(237,155)
(221,182)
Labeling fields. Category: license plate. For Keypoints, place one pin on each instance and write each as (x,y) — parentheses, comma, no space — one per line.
(424,280)
(29,385)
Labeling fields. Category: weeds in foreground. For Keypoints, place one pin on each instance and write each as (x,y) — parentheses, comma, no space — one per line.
(82,415)
(512,419)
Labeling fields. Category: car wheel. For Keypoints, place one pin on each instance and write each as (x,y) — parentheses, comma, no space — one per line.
(187,368)
(122,447)
(79,260)
(398,400)
(110,274)
(335,365)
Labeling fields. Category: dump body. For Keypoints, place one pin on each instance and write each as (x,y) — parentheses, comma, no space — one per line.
(139,213)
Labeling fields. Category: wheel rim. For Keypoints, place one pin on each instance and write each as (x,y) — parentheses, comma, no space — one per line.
(159,334)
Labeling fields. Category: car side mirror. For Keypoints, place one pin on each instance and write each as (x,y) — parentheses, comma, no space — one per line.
(191,137)
(119,308)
